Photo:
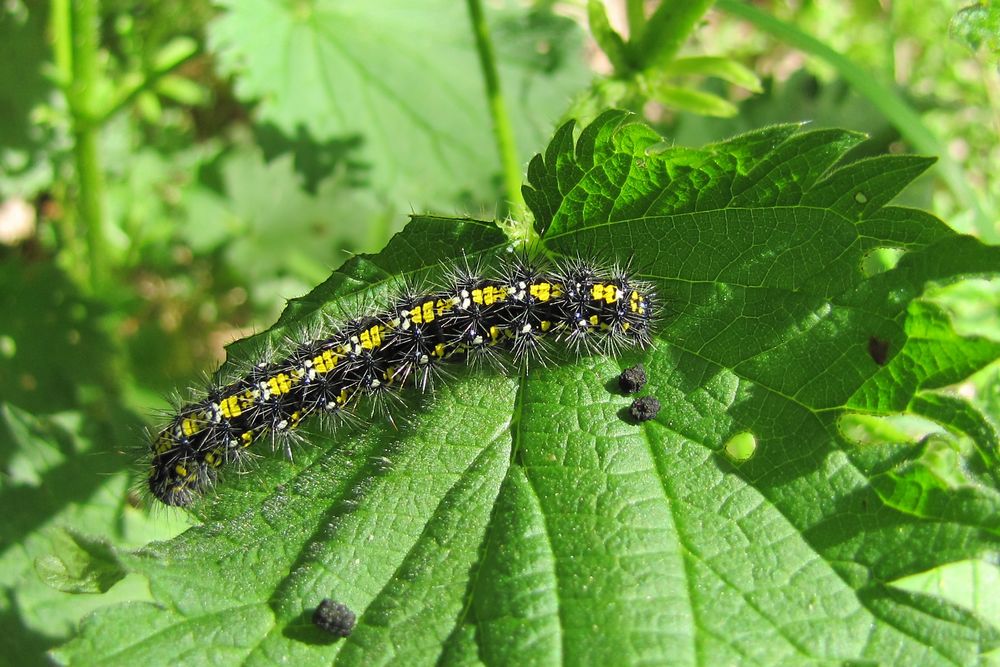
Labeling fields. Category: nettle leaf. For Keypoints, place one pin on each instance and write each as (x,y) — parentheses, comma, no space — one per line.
(401,82)
(515,520)
(59,478)
(29,147)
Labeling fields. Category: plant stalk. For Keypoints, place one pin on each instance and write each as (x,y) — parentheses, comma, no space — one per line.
(502,129)
(636,14)
(78,38)
(666,31)
(61,28)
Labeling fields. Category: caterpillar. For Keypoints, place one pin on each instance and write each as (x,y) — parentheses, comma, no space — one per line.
(516,310)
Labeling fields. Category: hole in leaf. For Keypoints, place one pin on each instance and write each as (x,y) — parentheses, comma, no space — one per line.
(863,430)
(974,306)
(741,447)
(937,484)
(963,583)
(880,260)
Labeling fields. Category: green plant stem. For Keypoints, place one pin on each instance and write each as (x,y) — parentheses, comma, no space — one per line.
(883,97)
(502,128)
(666,31)
(129,91)
(91,186)
(77,40)
(61,29)
(636,14)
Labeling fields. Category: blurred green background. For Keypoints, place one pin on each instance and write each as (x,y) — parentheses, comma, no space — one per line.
(171,173)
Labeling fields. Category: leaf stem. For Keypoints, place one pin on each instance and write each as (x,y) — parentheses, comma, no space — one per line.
(502,128)
(62,46)
(635,11)
(670,25)
(76,40)
(132,89)
(882,97)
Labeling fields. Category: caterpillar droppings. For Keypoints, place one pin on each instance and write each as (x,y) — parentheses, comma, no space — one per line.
(517,310)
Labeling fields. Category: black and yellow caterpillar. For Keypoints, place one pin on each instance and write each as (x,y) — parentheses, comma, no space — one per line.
(517,309)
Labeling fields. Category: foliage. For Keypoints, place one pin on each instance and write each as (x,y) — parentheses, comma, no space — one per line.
(646,65)
(171,173)
(395,80)
(491,522)
(979,27)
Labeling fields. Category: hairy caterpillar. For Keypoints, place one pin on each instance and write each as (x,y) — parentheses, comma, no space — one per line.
(473,315)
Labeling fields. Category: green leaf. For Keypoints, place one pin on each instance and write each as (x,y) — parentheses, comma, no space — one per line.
(726,69)
(978,27)
(29,144)
(970,584)
(666,31)
(688,99)
(403,82)
(521,520)
(83,566)
(965,418)
(606,37)
(184,91)
(269,230)
(63,477)
(51,346)
(936,486)
(924,359)
(884,98)
(173,53)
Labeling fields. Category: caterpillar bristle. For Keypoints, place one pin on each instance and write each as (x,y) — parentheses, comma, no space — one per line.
(476,316)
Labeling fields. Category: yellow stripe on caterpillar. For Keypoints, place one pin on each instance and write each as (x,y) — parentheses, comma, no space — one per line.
(606,292)
(230,407)
(371,338)
(541,291)
(163,443)
(636,303)
(326,362)
(280,384)
(190,426)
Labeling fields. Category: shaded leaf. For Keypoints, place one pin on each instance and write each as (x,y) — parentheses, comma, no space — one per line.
(402,81)
(62,473)
(27,146)
(53,346)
